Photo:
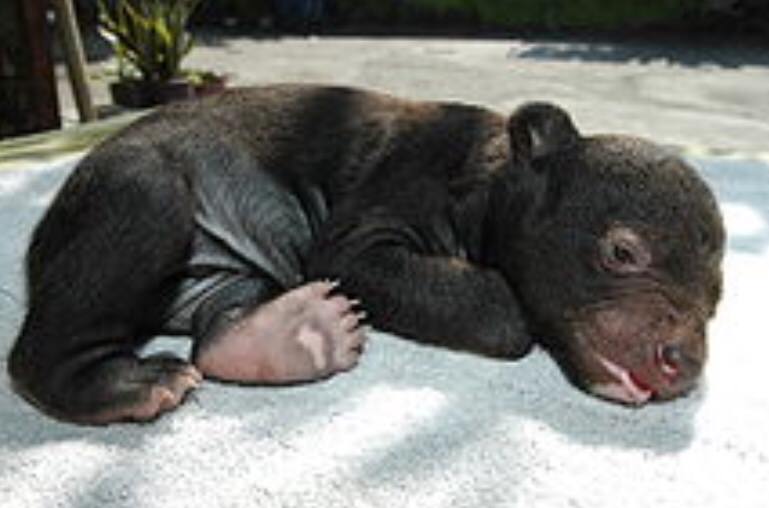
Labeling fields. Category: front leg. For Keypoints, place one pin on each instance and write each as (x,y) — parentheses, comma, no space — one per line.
(305,334)
(439,300)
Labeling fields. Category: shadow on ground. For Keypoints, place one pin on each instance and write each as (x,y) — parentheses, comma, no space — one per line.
(675,53)
(741,188)
(459,400)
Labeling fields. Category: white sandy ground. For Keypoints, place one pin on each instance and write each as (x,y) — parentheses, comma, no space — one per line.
(415,426)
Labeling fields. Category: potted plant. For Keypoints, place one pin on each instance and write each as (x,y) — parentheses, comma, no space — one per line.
(150,40)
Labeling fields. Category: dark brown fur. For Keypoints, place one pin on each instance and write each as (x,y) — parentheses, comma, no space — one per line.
(453,224)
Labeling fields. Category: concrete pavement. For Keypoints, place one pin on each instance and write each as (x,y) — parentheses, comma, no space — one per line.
(414,426)
(711,98)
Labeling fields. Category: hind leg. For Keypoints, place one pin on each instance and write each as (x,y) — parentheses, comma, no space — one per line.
(121,388)
(95,266)
(305,334)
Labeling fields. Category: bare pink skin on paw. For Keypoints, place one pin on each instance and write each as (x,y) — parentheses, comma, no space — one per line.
(162,396)
(302,335)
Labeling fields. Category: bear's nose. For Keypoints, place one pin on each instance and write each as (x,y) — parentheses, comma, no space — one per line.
(676,362)
(670,359)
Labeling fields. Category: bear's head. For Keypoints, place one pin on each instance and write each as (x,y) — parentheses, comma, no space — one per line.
(615,255)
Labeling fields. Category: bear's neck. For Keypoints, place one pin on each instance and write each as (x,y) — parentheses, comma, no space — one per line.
(509,215)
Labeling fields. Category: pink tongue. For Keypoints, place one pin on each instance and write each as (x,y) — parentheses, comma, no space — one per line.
(626,389)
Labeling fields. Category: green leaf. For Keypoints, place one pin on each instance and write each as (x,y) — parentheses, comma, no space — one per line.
(149,34)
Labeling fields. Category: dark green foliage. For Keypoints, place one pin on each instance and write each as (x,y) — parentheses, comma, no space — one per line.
(247,11)
(148,36)
(523,13)
(582,13)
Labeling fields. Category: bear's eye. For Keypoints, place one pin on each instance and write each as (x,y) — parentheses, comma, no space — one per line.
(623,251)
(623,255)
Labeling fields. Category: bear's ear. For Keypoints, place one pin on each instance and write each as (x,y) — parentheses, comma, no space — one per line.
(539,128)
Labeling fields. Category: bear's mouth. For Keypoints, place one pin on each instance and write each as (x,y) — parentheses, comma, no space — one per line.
(627,356)
(625,387)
